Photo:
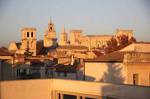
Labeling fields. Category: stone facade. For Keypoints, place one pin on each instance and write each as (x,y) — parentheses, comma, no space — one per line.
(95,41)
(63,37)
(28,42)
(133,69)
(90,41)
(75,36)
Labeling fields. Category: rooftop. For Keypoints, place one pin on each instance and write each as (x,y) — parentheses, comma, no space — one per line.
(5,52)
(111,57)
(72,47)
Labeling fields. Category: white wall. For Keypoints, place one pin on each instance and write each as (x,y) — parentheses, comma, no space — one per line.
(105,72)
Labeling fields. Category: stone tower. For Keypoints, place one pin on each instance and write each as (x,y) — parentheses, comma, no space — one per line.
(75,36)
(50,35)
(63,37)
(28,40)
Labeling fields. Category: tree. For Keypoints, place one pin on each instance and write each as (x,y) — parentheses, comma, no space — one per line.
(123,40)
(111,45)
(117,43)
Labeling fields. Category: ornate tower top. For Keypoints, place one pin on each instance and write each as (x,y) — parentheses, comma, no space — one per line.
(51,27)
(50,35)
(28,33)
(63,37)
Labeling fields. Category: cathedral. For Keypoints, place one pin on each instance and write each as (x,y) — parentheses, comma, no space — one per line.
(77,39)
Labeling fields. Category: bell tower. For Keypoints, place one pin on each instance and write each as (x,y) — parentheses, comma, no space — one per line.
(50,35)
(63,37)
(28,40)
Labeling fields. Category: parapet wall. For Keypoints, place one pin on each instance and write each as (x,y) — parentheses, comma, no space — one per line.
(44,88)
(132,57)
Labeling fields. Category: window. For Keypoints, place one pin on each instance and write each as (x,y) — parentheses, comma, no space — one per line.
(51,28)
(31,34)
(67,96)
(18,72)
(27,34)
(135,79)
(65,74)
(58,73)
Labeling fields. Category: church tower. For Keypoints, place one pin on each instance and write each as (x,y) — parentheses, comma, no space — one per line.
(28,40)
(63,37)
(50,35)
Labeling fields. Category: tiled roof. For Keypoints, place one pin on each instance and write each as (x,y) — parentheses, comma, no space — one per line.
(41,50)
(111,57)
(4,52)
(97,53)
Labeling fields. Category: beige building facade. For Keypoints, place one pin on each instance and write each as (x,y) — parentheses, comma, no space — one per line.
(70,89)
(137,47)
(96,41)
(63,37)
(118,67)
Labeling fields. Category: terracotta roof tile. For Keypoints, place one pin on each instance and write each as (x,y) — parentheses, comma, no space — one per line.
(5,52)
(111,57)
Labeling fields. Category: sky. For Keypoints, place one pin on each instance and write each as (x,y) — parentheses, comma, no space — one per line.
(92,16)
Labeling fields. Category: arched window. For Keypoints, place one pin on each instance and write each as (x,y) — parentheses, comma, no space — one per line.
(31,34)
(27,34)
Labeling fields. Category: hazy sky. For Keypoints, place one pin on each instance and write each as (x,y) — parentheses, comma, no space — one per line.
(93,16)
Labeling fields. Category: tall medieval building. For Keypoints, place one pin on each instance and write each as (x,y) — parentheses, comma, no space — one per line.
(50,35)
(28,40)
(63,37)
